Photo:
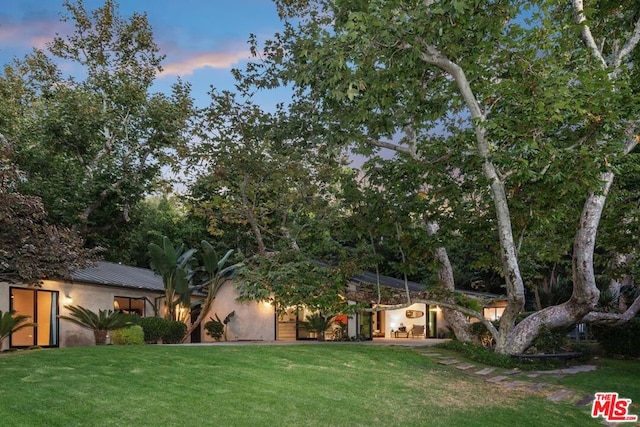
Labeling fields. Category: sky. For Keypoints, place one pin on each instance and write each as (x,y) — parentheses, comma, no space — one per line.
(202,39)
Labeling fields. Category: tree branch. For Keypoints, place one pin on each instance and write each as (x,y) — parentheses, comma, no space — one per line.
(629,46)
(616,318)
(391,146)
(587,37)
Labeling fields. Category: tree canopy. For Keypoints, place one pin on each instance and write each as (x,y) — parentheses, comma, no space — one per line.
(512,118)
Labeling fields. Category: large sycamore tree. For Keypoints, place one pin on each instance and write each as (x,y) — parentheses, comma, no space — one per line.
(90,136)
(525,111)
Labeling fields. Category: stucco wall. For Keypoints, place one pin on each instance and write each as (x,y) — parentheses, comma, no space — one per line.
(252,321)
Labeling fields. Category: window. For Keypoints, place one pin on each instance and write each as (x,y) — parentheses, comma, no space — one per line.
(129,305)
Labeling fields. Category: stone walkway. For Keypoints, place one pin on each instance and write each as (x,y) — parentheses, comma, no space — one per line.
(523,380)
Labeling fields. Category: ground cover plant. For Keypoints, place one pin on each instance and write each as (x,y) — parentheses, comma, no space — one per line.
(301,385)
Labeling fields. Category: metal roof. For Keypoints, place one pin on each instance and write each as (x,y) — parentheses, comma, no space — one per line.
(112,274)
(368,277)
(371,278)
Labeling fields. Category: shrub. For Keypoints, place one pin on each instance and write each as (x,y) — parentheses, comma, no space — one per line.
(175,332)
(155,328)
(551,341)
(131,335)
(214,329)
(622,340)
(487,356)
(480,331)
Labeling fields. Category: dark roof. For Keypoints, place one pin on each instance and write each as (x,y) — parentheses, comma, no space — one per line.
(112,274)
(391,282)
(368,277)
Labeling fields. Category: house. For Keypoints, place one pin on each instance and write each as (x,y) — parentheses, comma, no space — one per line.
(137,290)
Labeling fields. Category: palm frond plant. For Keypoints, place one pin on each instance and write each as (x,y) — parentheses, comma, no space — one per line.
(217,273)
(319,324)
(100,323)
(175,265)
(11,322)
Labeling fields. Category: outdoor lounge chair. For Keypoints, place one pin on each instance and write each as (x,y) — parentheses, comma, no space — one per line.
(417,331)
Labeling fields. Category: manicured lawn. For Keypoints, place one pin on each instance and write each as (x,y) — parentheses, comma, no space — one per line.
(299,385)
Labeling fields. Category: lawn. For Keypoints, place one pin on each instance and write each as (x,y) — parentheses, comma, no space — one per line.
(295,385)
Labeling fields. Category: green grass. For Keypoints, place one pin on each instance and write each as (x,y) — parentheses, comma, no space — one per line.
(299,385)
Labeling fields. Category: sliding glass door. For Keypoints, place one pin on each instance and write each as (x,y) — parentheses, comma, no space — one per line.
(42,308)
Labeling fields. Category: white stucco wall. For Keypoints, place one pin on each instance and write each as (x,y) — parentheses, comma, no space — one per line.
(252,321)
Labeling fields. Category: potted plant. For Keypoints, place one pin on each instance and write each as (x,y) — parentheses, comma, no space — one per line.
(11,322)
(319,324)
(101,323)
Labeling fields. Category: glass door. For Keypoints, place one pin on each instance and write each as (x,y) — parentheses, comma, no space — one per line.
(42,308)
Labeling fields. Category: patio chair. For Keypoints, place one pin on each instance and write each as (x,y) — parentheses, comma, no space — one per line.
(417,331)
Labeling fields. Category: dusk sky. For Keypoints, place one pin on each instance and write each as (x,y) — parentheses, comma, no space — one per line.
(202,39)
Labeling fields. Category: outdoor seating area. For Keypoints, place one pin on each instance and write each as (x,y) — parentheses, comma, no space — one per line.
(416,331)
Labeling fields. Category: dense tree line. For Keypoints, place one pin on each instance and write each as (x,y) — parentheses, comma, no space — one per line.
(512,126)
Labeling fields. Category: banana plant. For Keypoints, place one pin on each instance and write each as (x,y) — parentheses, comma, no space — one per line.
(11,322)
(175,265)
(217,274)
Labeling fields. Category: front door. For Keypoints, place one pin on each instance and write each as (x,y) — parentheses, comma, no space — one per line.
(196,335)
(42,308)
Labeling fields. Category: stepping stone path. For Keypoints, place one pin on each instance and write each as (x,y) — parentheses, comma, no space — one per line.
(553,393)
(585,400)
(559,395)
(497,379)
(465,367)
(515,384)
(449,362)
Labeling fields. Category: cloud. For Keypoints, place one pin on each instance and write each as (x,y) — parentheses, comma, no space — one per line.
(193,62)
(29,34)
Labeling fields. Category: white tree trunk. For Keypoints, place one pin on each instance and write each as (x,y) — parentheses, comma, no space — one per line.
(456,320)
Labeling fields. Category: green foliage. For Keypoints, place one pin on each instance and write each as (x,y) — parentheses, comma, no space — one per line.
(214,328)
(155,328)
(487,356)
(11,322)
(93,143)
(175,265)
(214,274)
(292,278)
(174,333)
(619,340)
(131,335)
(482,143)
(480,331)
(104,320)
(319,324)
(549,341)
(469,302)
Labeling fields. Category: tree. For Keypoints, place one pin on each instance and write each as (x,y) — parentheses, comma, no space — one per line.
(31,249)
(92,144)
(260,177)
(504,106)
(267,190)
